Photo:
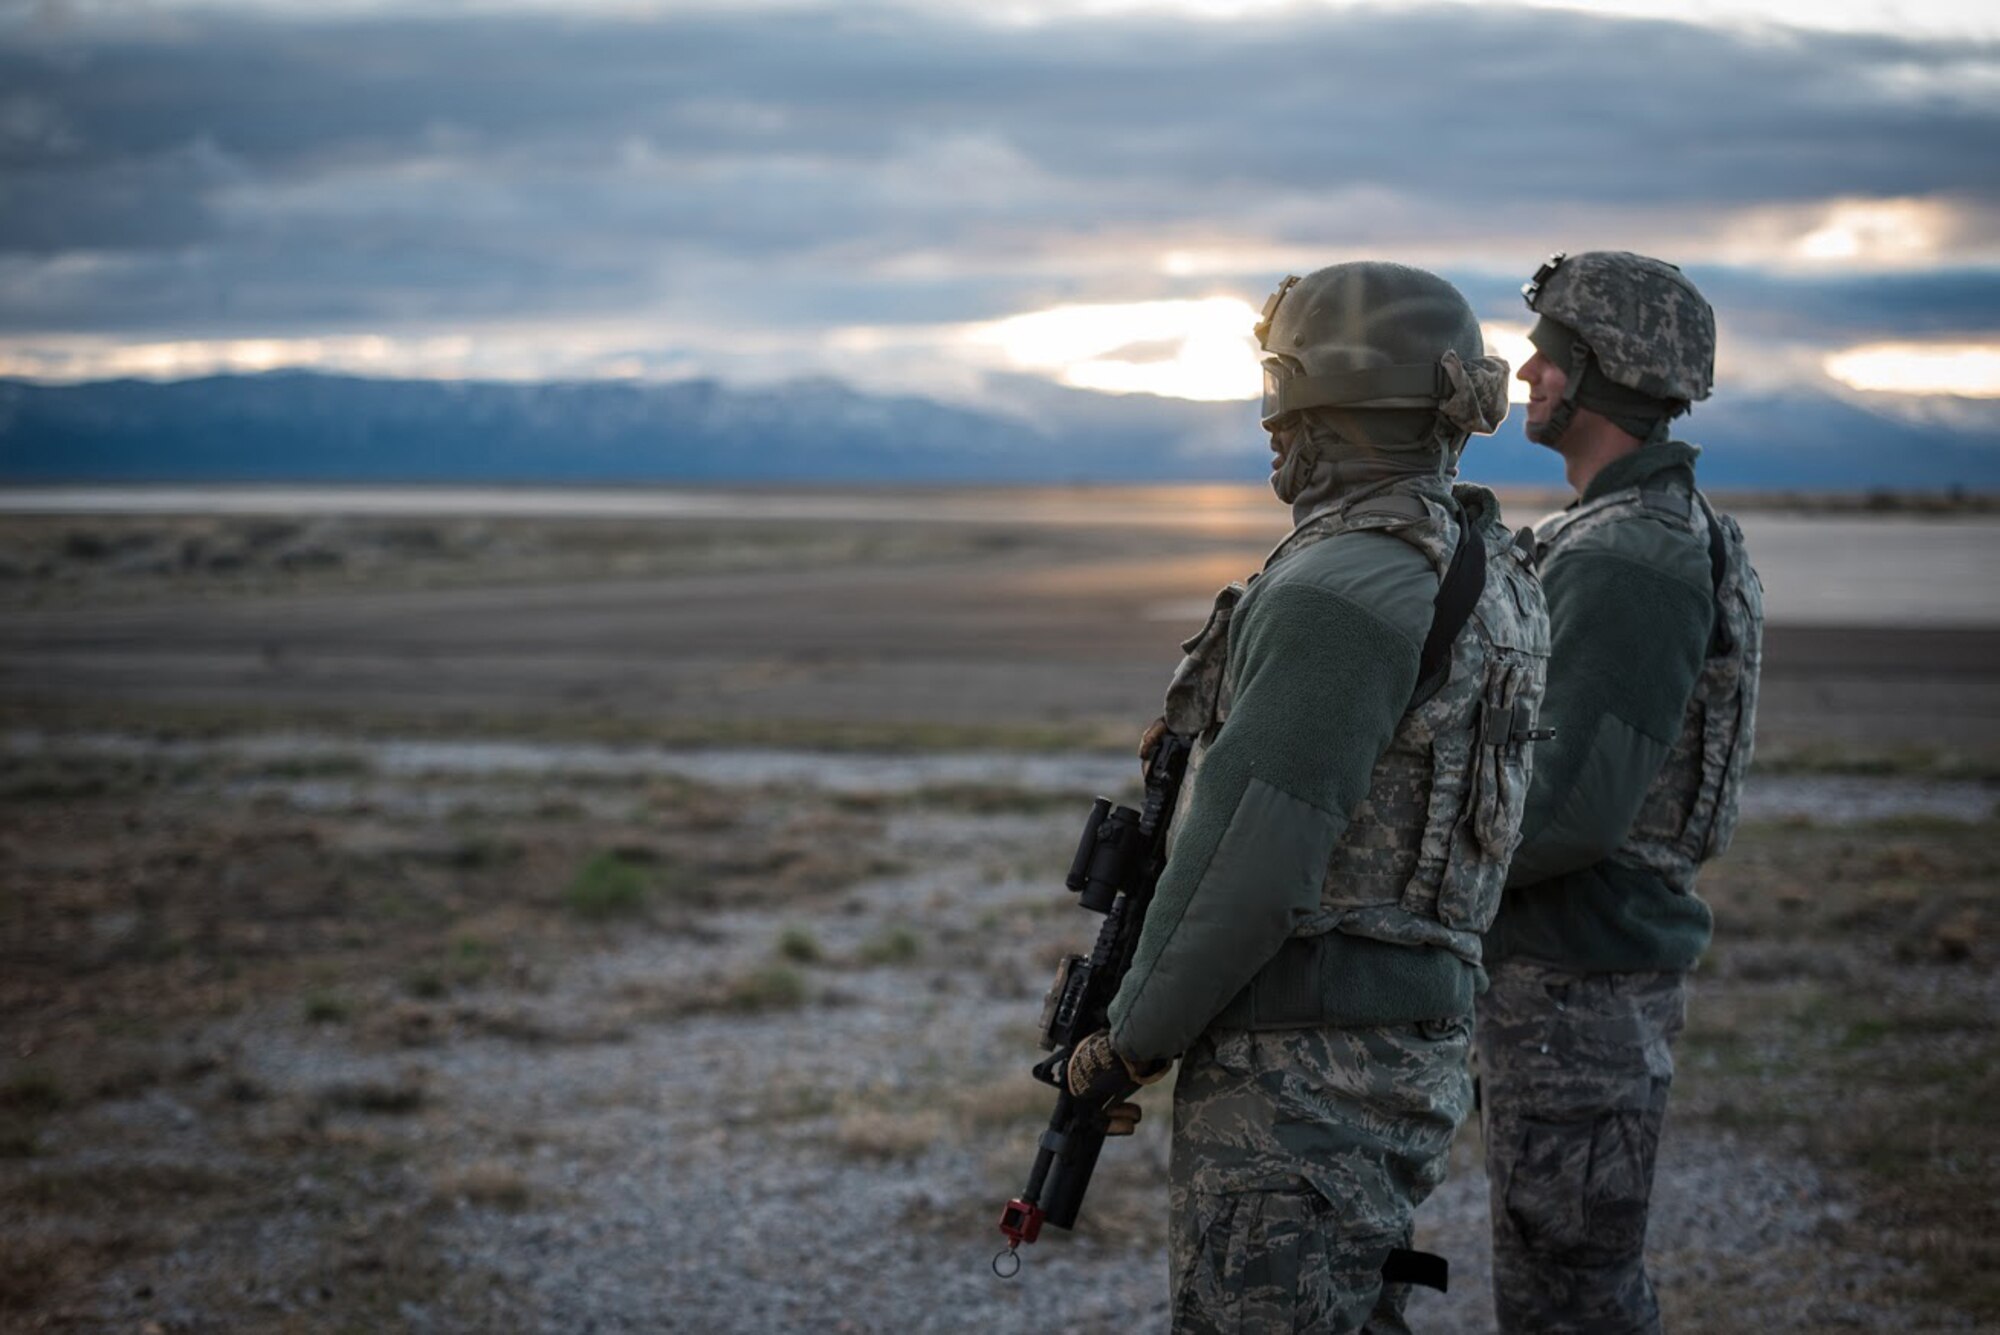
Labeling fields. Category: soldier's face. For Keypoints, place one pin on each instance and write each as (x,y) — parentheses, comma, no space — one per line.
(1546,382)
(1281,443)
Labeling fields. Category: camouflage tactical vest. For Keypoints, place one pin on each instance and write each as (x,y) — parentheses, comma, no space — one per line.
(1424,857)
(1690,810)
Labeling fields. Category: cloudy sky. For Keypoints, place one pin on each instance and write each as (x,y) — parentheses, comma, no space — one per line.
(938,198)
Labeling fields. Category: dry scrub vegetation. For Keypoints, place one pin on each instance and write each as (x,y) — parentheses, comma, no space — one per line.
(148,910)
(300,1045)
(1850,1013)
(62,561)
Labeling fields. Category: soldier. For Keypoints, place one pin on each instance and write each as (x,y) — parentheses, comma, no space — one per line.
(1657,620)
(1362,710)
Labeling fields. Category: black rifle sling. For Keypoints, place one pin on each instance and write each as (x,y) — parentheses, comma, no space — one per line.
(1426,1269)
(1458,593)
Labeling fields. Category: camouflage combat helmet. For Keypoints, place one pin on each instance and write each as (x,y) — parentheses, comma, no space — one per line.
(1375,335)
(1636,321)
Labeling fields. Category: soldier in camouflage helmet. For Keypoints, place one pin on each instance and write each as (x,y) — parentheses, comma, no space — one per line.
(1657,622)
(1362,725)
(1630,337)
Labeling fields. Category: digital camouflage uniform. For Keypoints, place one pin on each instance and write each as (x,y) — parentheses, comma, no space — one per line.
(1574,1069)
(1657,629)
(1299,1156)
(1314,946)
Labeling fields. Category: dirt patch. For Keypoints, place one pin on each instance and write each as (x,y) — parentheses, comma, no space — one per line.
(908,631)
(112,560)
(328,1042)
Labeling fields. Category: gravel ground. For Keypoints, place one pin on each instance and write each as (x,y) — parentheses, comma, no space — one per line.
(675,1186)
(605,1162)
(1831,798)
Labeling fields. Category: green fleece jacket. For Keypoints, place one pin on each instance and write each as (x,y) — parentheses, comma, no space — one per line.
(1323,656)
(1631,606)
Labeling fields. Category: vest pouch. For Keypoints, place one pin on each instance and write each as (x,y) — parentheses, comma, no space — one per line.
(1728,690)
(1731,735)
(1500,784)
(1722,780)
(1674,816)
(1196,702)
(1483,840)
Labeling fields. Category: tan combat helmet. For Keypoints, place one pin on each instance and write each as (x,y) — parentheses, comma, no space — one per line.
(1371,335)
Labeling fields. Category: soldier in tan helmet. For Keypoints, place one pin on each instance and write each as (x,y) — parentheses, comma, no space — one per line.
(1362,713)
(1657,622)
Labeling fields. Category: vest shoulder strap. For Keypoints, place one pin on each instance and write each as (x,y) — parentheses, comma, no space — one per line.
(1459,590)
(1720,641)
(1668,502)
(1664,502)
(1551,530)
(1458,593)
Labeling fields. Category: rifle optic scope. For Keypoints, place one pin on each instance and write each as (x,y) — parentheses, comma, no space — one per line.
(1107,857)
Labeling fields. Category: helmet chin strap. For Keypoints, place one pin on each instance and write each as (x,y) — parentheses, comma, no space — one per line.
(1550,432)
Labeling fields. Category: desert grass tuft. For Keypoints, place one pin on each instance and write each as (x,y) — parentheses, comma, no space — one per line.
(800,946)
(777,987)
(1009,1101)
(880,1133)
(33,1090)
(492,1185)
(321,1007)
(896,945)
(471,958)
(391,1097)
(609,885)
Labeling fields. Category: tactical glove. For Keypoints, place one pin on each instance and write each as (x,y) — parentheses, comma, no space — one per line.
(1098,1076)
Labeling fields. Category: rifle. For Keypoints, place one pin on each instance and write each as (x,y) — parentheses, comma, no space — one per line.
(1115,871)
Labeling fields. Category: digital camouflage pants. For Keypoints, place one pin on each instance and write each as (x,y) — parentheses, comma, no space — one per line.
(1299,1156)
(1574,1071)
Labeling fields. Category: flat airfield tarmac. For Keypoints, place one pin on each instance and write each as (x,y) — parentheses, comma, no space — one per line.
(980,609)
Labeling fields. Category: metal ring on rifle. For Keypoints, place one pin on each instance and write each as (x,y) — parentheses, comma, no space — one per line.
(1004,1255)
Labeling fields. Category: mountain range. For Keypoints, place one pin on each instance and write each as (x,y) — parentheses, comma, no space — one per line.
(301,426)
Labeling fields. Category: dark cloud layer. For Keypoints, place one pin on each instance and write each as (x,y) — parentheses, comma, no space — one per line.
(1556,103)
(1932,303)
(1152,120)
(220,176)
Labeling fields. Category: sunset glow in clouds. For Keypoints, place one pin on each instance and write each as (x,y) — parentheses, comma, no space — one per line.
(1965,370)
(1047,209)
(1201,350)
